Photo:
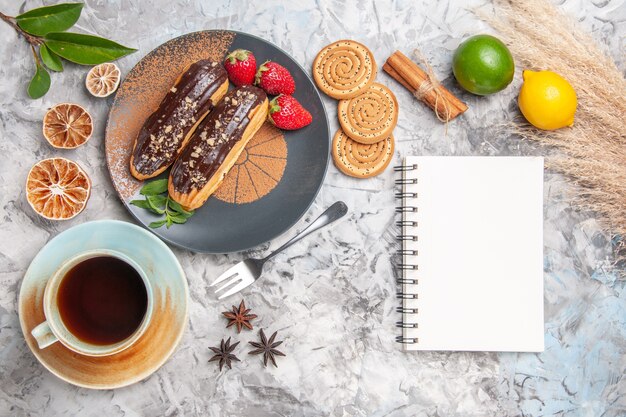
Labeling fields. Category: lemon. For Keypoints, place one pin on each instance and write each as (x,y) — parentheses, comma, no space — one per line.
(547,100)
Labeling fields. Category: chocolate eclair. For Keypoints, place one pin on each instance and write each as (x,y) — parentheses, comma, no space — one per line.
(215,146)
(165,133)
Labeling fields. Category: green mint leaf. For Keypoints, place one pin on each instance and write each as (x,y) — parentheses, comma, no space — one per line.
(178,208)
(40,84)
(144,204)
(178,218)
(154,187)
(158,200)
(157,224)
(52,60)
(44,20)
(186,214)
(160,203)
(157,203)
(85,49)
(141,204)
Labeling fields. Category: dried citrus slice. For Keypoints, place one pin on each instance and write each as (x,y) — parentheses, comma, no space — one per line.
(57,188)
(102,80)
(67,126)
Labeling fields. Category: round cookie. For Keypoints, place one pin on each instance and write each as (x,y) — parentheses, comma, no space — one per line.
(371,116)
(358,160)
(344,68)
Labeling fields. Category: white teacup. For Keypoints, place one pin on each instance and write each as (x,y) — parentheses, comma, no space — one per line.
(54,330)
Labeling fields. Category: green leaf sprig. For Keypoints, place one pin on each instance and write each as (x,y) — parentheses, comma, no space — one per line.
(159,202)
(44,29)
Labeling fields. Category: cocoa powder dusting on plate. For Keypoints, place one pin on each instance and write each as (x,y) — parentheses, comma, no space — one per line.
(258,170)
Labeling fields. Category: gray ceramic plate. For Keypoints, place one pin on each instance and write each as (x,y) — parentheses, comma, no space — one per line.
(221,225)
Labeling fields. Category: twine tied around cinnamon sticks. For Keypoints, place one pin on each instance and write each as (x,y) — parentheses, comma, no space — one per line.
(431,85)
(424,85)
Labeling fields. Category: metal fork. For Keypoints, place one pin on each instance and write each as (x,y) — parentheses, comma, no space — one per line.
(248,271)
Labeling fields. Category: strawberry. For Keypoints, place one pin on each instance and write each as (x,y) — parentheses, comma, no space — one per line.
(275,79)
(241,67)
(286,113)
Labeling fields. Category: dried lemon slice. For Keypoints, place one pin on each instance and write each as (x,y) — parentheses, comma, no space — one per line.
(57,188)
(67,126)
(102,80)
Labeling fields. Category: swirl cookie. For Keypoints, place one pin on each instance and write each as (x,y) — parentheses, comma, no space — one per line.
(358,160)
(344,68)
(371,116)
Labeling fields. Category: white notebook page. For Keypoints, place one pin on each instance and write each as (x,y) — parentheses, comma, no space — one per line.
(479,254)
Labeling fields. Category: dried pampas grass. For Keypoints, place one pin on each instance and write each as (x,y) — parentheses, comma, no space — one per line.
(593,151)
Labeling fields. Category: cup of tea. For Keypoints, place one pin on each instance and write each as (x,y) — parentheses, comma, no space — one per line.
(97,303)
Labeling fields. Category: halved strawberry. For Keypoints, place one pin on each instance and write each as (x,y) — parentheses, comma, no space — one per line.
(275,79)
(286,113)
(240,65)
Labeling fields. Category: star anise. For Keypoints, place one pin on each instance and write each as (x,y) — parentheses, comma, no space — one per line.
(224,353)
(239,317)
(267,348)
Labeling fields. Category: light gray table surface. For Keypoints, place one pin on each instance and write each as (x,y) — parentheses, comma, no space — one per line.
(332,296)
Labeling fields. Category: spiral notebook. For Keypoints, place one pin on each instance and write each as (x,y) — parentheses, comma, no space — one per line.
(472,254)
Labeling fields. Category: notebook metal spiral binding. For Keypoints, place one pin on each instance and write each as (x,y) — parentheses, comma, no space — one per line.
(406,209)
(403,267)
(406,181)
(406,195)
(401,168)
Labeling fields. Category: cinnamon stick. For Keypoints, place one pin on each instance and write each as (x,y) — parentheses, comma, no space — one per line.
(417,81)
(394,74)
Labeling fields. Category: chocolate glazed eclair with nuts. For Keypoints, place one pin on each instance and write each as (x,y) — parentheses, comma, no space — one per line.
(215,146)
(166,132)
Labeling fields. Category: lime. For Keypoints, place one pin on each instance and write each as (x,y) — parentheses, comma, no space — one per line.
(483,65)
(547,100)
